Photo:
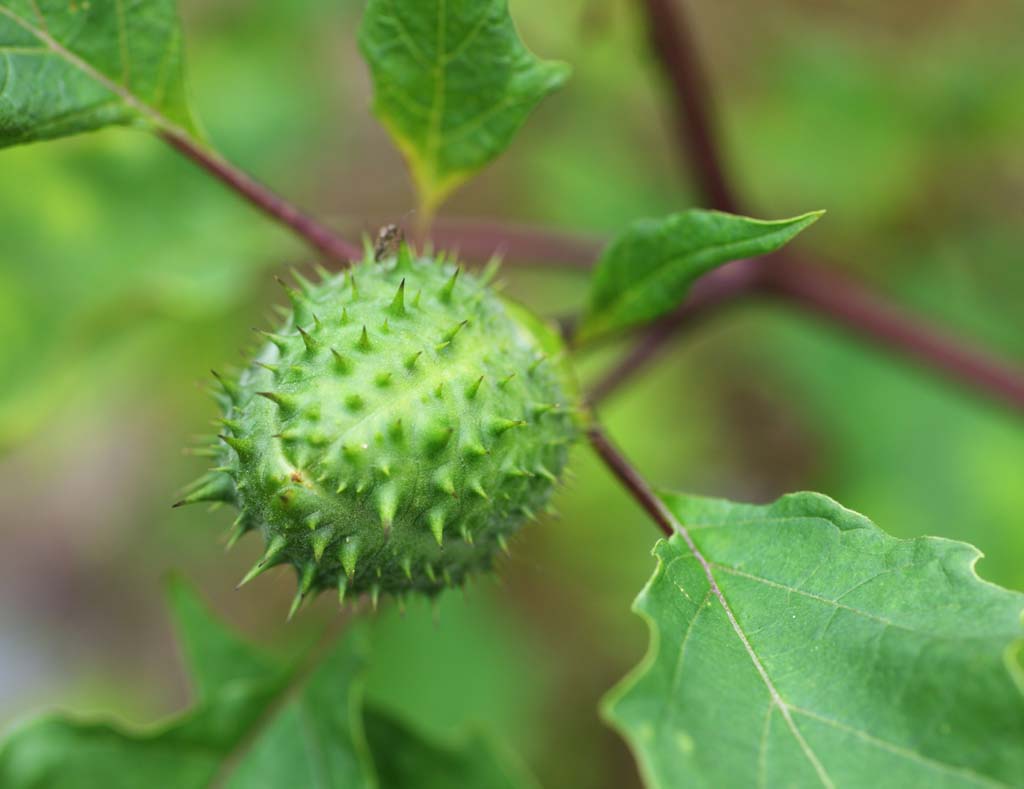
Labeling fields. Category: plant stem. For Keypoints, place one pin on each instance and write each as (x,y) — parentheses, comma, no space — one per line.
(849,305)
(711,293)
(630,478)
(481,239)
(318,236)
(675,49)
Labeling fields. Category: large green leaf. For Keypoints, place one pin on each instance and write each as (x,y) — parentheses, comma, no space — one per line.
(841,656)
(452,83)
(256,723)
(648,269)
(69,67)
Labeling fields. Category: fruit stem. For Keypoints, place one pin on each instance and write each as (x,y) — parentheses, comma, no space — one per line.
(630,478)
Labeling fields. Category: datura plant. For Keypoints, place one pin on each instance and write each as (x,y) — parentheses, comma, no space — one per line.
(403,420)
(395,431)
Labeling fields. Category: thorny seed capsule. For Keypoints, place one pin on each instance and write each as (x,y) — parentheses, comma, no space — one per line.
(380,441)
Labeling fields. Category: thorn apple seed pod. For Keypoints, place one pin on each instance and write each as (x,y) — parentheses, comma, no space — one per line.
(394,432)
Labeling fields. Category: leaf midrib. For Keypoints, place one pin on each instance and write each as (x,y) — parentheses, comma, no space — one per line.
(776,697)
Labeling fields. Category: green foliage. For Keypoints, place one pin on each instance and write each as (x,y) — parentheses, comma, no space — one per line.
(648,269)
(453,83)
(70,67)
(256,723)
(396,431)
(417,763)
(853,656)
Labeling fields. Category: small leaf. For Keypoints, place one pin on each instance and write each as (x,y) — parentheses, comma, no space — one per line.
(846,657)
(452,83)
(75,66)
(647,271)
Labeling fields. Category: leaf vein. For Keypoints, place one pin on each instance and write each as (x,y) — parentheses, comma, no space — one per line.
(773,692)
(900,750)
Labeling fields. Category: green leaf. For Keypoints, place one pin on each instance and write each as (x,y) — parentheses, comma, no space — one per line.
(414,762)
(316,739)
(70,66)
(846,657)
(235,686)
(647,271)
(453,83)
(255,723)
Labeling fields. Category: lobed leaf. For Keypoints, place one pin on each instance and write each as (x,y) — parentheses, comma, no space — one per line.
(847,657)
(256,723)
(453,83)
(647,271)
(70,66)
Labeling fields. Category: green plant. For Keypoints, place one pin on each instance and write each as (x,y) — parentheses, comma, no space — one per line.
(791,644)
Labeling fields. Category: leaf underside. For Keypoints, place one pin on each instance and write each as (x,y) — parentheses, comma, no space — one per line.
(855,658)
(255,723)
(70,66)
(453,83)
(647,270)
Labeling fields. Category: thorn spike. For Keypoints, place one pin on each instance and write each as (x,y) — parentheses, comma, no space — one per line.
(307,338)
(500,426)
(446,292)
(341,364)
(229,387)
(214,487)
(320,542)
(284,402)
(274,548)
(449,335)
(242,446)
(436,520)
(397,308)
(349,555)
(387,505)
(410,363)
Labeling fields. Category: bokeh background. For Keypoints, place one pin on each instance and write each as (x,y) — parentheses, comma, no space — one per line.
(125,275)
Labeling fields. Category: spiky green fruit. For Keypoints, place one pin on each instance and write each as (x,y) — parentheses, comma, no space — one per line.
(395,431)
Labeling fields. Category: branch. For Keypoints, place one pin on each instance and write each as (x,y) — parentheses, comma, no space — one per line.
(848,304)
(674,46)
(631,479)
(841,302)
(482,239)
(310,230)
(710,294)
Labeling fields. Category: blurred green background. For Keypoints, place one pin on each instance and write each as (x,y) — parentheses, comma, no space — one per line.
(125,275)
